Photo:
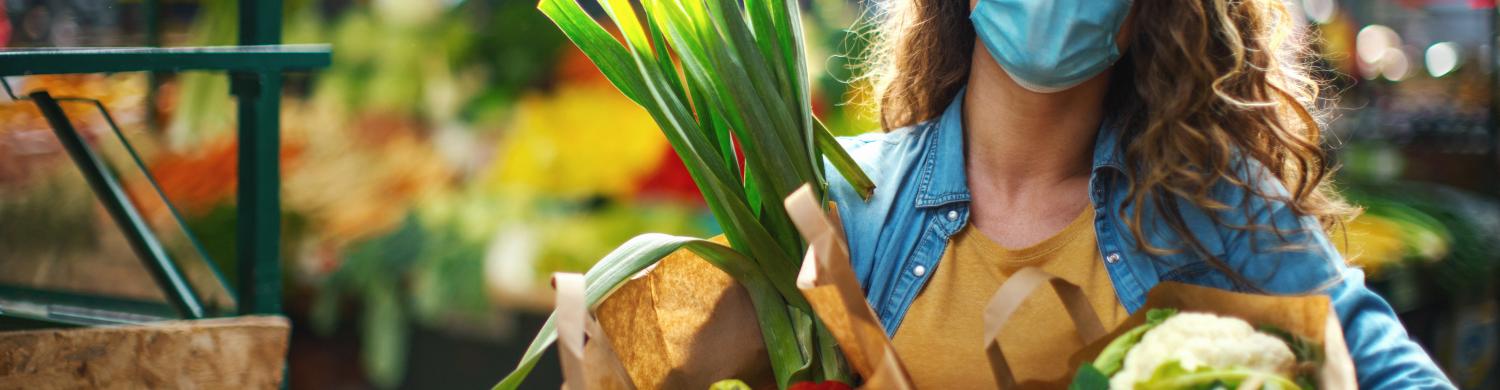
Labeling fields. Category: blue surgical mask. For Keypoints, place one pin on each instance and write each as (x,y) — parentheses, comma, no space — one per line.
(1051,45)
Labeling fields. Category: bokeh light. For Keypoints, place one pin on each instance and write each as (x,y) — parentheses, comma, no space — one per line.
(1373,40)
(1442,58)
(1394,65)
(1320,11)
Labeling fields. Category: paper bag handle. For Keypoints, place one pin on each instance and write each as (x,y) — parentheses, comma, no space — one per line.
(829,284)
(575,327)
(571,316)
(1337,372)
(1012,294)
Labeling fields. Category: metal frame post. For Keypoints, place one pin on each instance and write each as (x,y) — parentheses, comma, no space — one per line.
(1494,120)
(151,10)
(151,13)
(258,236)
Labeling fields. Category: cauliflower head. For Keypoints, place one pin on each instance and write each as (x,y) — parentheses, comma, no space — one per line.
(1196,340)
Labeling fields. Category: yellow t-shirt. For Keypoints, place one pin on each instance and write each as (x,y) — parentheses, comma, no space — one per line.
(941,340)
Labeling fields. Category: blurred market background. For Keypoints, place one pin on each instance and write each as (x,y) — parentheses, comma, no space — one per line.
(458,152)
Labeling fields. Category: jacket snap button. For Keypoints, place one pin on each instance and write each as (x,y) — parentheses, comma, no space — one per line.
(919,271)
(1113,257)
(952,215)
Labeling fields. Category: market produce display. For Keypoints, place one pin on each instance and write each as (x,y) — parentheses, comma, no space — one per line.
(1193,350)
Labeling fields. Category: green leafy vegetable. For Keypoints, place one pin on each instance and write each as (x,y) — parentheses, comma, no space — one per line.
(1309,355)
(729,384)
(1089,378)
(1113,356)
(1304,350)
(1172,376)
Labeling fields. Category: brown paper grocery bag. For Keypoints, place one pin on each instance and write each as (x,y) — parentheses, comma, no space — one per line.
(1310,317)
(828,283)
(588,360)
(685,324)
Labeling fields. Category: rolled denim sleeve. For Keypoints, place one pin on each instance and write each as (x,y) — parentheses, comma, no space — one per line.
(1384,356)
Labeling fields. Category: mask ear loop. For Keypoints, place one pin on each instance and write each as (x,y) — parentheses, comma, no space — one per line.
(151,179)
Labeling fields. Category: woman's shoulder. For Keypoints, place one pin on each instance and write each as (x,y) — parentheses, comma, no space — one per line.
(885,156)
(1263,236)
(873,143)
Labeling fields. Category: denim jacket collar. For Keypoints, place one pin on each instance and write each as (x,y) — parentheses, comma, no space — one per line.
(943,180)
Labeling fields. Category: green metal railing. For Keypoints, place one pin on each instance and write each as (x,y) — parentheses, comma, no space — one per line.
(116,202)
(259,224)
(234,59)
(255,71)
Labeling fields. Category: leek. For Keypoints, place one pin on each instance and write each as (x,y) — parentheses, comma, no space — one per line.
(716,74)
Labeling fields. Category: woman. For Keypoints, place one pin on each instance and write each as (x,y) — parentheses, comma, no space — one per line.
(1116,144)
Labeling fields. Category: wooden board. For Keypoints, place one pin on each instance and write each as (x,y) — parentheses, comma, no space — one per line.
(238,353)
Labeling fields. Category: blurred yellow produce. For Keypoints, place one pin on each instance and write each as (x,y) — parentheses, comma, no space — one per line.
(576,141)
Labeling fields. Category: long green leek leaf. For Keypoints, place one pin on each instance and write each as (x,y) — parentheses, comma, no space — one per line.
(749,116)
(844,163)
(668,68)
(604,50)
(722,194)
(764,152)
(763,88)
(801,88)
(768,41)
(781,140)
(835,369)
(710,120)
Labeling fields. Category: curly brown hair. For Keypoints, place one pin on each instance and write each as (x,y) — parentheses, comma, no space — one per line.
(1224,79)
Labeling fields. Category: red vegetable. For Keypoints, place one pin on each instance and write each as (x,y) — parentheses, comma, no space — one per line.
(825,385)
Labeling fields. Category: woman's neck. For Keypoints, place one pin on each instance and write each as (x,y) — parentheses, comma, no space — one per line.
(1027,154)
(1017,139)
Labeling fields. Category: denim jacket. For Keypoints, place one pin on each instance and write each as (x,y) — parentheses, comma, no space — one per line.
(897,237)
